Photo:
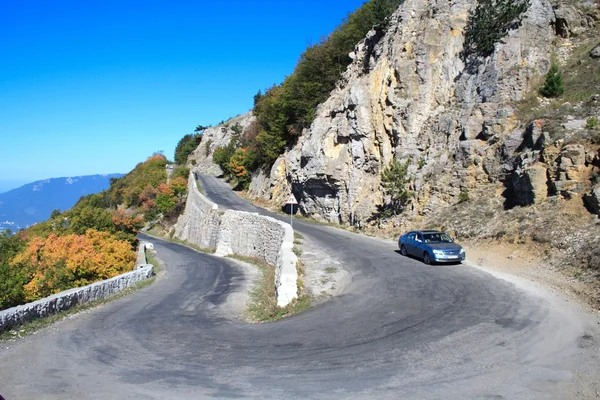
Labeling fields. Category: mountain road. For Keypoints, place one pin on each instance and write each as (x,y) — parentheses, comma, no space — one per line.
(399,330)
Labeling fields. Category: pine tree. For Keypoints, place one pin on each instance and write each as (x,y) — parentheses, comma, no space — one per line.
(553,85)
(395,181)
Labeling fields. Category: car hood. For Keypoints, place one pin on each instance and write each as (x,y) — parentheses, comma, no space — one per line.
(444,246)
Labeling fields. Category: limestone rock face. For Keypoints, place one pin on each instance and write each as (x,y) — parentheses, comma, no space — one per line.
(408,95)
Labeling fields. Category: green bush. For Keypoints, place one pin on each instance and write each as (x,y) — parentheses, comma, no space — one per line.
(553,85)
(592,122)
(463,197)
(181,171)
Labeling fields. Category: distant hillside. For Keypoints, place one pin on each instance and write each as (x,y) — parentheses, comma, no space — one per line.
(34,202)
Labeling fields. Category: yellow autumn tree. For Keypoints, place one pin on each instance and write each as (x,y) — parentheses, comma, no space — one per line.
(57,263)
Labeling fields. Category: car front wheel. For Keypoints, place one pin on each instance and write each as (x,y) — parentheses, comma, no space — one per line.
(426,258)
(403,250)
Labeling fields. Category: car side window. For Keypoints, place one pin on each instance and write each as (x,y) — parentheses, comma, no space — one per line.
(419,239)
(411,236)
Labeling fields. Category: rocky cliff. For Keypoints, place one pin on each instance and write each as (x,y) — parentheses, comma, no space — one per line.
(467,130)
(408,95)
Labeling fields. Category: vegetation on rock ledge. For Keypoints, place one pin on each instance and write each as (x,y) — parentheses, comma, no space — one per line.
(490,22)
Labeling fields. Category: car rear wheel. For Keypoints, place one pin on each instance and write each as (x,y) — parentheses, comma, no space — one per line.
(426,258)
(403,250)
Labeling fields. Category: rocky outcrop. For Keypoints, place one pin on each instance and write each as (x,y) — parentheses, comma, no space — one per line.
(409,95)
(531,186)
(570,20)
(592,199)
(215,137)
(418,102)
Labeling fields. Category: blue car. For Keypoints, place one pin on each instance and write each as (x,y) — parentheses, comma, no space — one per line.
(431,246)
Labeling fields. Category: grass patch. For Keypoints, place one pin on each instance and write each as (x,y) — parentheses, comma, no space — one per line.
(331,270)
(297,250)
(182,242)
(199,186)
(152,259)
(263,300)
(37,324)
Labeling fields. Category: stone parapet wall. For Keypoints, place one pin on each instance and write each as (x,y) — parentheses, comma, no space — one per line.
(64,300)
(251,235)
(242,233)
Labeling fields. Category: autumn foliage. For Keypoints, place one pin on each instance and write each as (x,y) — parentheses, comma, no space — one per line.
(57,263)
(94,240)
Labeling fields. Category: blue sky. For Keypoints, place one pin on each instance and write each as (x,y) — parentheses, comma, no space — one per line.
(96,86)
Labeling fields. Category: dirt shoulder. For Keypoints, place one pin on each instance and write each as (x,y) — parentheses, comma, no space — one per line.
(523,262)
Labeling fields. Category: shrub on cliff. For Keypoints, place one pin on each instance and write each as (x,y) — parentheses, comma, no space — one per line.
(490,22)
(553,85)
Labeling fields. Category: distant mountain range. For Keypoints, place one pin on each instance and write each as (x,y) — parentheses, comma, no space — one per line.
(34,202)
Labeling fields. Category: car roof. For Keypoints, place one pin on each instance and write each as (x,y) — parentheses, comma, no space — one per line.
(426,231)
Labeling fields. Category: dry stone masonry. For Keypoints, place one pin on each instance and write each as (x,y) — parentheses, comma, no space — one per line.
(241,233)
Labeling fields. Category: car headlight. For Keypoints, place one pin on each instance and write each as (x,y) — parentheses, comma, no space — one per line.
(462,251)
(438,252)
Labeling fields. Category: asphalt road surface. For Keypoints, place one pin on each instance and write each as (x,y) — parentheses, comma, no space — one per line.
(400,330)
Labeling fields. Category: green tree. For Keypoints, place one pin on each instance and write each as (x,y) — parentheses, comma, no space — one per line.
(222,155)
(395,181)
(186,146)
(490,22)
(165,203)
(553,85)
(12,279)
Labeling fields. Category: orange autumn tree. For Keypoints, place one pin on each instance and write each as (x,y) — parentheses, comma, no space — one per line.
(58,263)
(170,196)
(238,165)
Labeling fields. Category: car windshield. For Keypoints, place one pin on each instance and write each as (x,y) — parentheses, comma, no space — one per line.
(437,238)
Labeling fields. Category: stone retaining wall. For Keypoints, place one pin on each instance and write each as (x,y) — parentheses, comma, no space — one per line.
(242,233)
(199,224)
(64,300)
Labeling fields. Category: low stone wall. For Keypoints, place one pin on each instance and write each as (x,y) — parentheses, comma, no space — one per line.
(64,300)
(243,233)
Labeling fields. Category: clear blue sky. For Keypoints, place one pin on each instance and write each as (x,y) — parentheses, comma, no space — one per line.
(97,86)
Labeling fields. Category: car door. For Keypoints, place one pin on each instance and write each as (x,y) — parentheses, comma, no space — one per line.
(410,243)
(419,245)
